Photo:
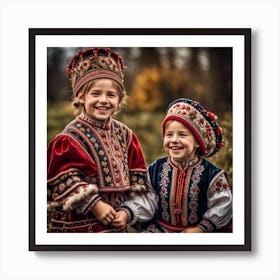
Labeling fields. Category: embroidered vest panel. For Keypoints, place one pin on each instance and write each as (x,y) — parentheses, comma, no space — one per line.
(182,193)
(107,149)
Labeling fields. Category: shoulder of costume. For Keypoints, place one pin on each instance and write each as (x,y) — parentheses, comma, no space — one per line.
(121,124)
(210,166)
(157,163)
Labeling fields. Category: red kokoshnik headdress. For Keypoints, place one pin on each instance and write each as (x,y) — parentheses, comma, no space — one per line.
(199,121)
(95,63)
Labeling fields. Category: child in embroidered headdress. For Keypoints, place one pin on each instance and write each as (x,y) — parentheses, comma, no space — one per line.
(193,195)
(96,168)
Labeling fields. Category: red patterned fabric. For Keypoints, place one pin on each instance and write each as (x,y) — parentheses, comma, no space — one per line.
(64,154)
(87,162)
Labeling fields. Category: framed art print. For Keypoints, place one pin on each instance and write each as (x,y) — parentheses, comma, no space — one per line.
(212,66)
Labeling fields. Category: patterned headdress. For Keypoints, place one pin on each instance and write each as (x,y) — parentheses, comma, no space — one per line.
(95,63)
(199,121)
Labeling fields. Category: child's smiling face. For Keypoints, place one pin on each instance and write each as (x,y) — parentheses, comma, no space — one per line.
(102,100)
(179,142)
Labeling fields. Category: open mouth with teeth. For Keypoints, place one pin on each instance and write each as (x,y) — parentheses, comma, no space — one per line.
(175,148)
(99,108)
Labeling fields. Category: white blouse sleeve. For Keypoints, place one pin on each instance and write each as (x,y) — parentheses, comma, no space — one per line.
(219,201)
(143,206)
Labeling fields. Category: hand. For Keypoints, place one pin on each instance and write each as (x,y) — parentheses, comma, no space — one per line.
(104,212)
(193,230)
(121,219)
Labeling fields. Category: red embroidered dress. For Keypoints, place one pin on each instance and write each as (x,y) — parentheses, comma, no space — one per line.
(90,161)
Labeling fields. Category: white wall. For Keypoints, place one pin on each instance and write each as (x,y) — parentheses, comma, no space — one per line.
(15,19)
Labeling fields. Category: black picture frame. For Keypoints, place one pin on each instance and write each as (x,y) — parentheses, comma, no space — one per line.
(243,35)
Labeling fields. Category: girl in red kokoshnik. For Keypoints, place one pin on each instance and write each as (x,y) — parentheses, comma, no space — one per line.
(96,168)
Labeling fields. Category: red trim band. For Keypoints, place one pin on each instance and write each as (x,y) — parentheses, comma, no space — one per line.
(97,74)
(170,227)
(189,126)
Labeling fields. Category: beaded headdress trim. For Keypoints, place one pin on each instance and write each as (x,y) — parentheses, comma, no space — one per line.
(95,63)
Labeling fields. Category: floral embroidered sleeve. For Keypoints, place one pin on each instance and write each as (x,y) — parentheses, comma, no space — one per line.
(219,204)
(136,164)
(69,170)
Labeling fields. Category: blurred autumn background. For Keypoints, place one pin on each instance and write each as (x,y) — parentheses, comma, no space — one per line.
(153,78)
